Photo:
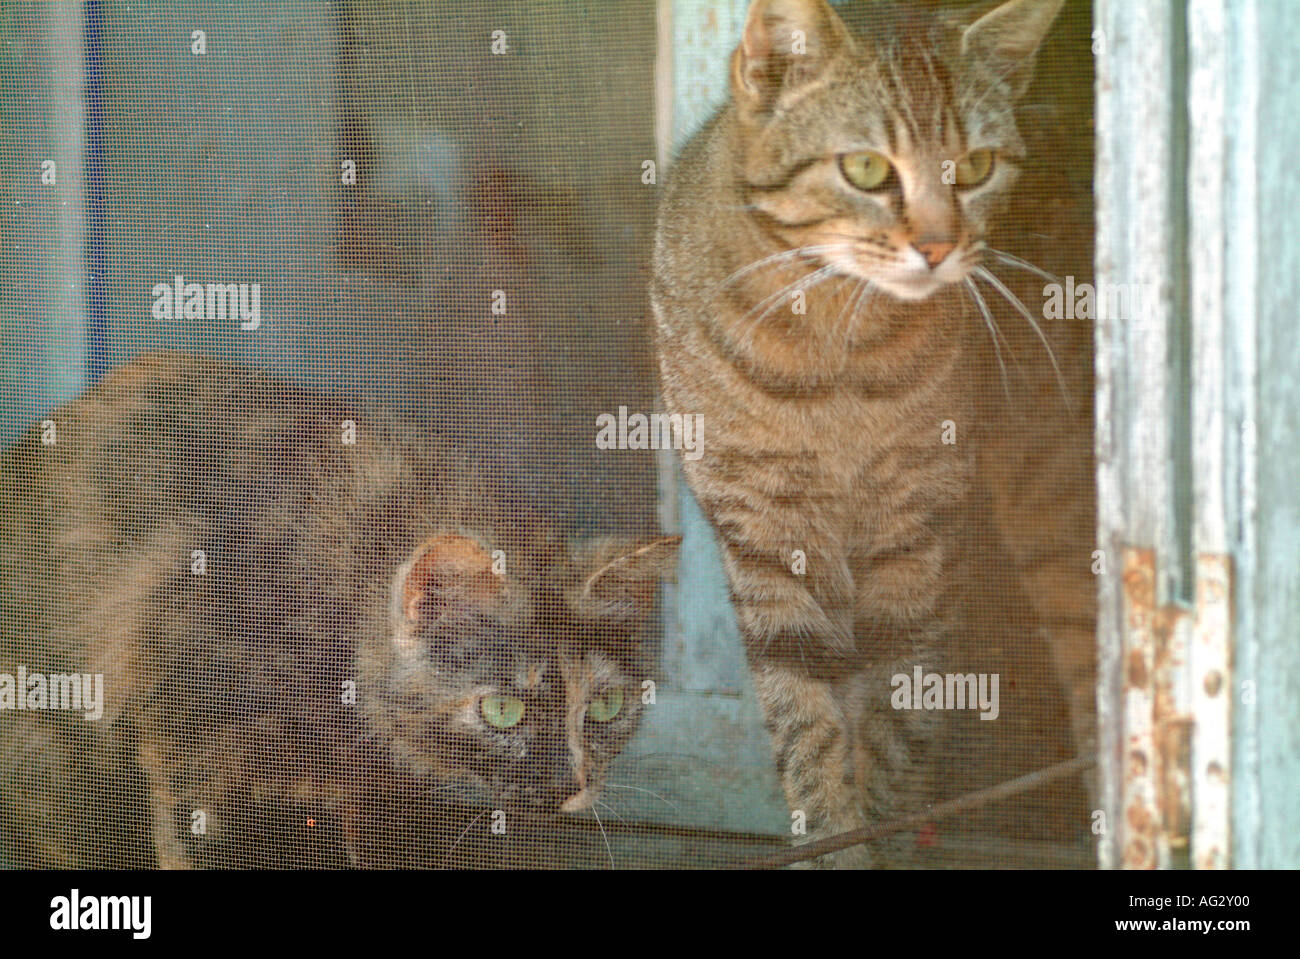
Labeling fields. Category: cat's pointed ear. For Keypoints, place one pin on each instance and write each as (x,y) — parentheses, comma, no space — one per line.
(448,574)
(786,45)
(621,576)
(1008,37)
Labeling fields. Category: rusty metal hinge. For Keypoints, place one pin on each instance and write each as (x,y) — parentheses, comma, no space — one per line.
(1176,719)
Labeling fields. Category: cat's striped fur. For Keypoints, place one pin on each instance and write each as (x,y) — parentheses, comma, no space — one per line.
(829,336)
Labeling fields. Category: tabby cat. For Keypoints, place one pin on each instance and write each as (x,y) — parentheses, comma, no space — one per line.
(814,297)
(289,602)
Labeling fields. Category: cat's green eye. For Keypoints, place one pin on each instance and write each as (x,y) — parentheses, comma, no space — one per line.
(867,170)
(606,706)
(974,168)
(501,711)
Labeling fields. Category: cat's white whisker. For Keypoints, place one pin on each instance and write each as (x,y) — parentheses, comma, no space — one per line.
(802,285)
(604,836)
(847,301)
(765,306)
(988,321)
(650,792)
(847,314)
(868,291)
(997,328)
(862,293)
(614,811)
(782,256)
(1010,259)
(1014,300)
(452,849)
(757,264)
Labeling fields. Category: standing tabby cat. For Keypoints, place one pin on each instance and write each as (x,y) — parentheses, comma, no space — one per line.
(815,300)
(282,616)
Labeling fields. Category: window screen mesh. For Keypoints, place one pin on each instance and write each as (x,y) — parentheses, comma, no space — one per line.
(441,215)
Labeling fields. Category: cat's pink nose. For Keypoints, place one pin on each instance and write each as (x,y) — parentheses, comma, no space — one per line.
(577,802)
(935,252)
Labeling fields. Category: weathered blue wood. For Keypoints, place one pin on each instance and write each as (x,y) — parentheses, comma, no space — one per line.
(42,306)
(204,152)
(1136,391)
(1216,404)
(1252,78)
(264,92)
(1241,281)
(1268,67)
(1241,80)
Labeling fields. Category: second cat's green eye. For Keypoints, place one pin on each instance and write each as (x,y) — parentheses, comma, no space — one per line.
(501,711)
(974,168)
(866,170)
(606,706)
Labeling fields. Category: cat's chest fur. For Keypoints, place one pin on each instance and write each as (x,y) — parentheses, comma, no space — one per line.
(850,408)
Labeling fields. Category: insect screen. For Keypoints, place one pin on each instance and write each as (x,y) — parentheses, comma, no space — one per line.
(352,410)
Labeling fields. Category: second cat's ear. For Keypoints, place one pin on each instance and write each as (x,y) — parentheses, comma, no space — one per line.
(1009,36)
(447,574)
(786,44)
(622,576)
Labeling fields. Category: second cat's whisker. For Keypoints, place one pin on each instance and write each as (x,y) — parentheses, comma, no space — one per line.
(604,836)
(1014,300)
(606,805)
(452,849)
(643,790)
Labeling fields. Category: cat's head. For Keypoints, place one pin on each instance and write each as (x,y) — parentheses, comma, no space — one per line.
(883,135)
(523,673)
